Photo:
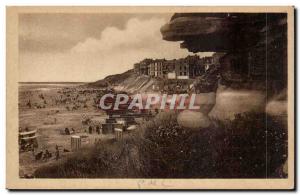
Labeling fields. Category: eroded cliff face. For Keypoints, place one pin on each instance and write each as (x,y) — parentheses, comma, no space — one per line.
(222,32)
(254,69)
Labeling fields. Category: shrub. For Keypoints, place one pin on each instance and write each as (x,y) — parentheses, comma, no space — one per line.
(163,149)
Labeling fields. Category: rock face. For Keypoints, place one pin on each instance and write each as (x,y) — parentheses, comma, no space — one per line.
(256,53)
(255,43)
(232,101)
(193,120)
(219,32)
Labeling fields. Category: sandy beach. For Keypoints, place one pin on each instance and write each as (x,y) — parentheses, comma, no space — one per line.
(52,108)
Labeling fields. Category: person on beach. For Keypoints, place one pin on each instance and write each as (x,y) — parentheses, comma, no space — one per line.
(57,156)
(67,131)
(90,129)
(98,130)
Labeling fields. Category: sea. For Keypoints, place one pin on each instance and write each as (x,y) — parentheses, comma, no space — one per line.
(44,86)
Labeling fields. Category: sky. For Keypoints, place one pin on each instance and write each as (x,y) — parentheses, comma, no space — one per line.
(89,47)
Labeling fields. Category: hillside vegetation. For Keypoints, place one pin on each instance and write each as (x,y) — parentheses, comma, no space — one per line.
(163,149)
(127,81)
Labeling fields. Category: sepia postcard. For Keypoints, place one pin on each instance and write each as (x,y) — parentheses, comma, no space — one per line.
(150,98)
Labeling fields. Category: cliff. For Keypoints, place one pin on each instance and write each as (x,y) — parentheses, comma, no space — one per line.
(127,81)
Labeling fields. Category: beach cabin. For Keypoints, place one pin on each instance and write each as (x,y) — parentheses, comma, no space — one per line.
(28,140)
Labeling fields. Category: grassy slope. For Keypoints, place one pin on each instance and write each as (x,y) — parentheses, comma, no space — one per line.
(163,149)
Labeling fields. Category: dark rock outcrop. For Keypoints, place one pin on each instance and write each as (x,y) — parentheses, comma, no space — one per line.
(255,43)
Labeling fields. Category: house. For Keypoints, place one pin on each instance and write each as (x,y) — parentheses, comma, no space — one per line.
(184,68)
(145,66)
(142,67)
(156,68)
(136,68)
(196,67)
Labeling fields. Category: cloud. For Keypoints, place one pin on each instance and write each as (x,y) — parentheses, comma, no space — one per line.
(57,32)
(137,33)
(142,36)
(114,51)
